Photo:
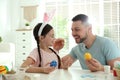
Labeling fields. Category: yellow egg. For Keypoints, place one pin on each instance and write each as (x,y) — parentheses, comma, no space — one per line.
(87,56)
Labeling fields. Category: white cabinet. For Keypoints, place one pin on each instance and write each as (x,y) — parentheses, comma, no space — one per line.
(24,43)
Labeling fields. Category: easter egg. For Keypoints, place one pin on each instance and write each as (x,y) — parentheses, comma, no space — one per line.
(53,64)
(3,69)
(87,56)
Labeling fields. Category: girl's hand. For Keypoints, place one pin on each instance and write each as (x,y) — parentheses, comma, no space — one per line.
(58,44)
(94,65)
(48,70)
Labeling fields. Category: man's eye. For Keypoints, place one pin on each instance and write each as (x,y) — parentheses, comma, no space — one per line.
(77,29)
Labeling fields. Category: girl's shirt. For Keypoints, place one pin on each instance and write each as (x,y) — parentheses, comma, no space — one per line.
(46,58)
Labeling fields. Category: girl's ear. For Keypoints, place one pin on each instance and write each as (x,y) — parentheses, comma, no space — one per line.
(41,37)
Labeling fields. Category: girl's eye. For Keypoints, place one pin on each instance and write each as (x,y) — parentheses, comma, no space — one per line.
(52,36)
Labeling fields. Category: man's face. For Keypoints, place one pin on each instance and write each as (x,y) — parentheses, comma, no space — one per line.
(79,31)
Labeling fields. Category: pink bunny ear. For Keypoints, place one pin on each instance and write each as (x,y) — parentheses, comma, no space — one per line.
(46,19)
(48,16)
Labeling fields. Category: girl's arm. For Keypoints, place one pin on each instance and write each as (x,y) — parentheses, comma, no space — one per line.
(40,70)
(58,44)
(29,61)
(31,69)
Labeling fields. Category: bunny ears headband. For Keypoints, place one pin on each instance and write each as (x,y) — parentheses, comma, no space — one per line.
(46,19)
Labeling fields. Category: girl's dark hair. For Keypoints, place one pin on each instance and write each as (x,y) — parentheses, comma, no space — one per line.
(45,31)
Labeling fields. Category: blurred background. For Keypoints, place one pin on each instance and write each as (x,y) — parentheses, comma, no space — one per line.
(15,14)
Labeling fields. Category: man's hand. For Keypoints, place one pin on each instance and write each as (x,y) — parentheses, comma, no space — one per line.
(58,44)
(94,65)
(67,61)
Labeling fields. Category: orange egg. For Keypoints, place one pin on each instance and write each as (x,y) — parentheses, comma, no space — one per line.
(3,69)
(88,56)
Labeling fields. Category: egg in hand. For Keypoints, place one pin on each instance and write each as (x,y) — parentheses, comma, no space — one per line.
(87,56)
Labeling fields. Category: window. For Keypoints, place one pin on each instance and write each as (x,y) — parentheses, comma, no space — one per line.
(112,20)
(104,14)
(3,15)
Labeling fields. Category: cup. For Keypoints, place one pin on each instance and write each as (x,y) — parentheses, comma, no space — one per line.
(107,69)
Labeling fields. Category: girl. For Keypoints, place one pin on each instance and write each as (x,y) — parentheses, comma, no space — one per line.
(40,58)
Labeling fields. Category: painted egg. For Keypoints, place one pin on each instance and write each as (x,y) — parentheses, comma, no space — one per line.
(88,56)
(3,69)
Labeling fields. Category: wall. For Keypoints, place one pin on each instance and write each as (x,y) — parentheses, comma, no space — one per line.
(10,16)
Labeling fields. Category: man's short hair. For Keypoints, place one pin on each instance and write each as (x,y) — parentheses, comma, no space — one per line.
(81,17)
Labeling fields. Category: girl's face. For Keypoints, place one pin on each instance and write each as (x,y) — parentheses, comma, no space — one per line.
(49,38)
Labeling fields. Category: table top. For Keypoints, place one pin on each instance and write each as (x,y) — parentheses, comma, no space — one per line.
(70,74)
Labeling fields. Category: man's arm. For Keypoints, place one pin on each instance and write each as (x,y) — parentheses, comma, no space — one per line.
(111,62)
(95,65)
(67,61)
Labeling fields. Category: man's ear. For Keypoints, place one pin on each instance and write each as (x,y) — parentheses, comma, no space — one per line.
(90,27)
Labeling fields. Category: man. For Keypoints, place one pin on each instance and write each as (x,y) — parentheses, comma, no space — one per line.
(103,50)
